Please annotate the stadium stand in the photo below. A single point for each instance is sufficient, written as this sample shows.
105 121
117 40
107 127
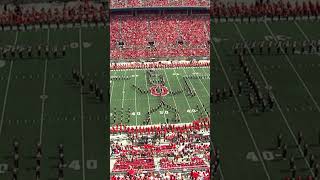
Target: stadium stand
159 36
158 3
149 34
183 147
266 8
193 175
30 14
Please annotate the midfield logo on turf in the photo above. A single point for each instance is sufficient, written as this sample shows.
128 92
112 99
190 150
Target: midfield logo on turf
159 90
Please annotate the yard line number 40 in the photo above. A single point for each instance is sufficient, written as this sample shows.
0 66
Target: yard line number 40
266 155
74 165
90 164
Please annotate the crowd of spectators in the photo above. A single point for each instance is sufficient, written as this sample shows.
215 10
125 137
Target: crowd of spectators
31 14
159 64
156 36
280 8
158 3
171 151
192 175
161 129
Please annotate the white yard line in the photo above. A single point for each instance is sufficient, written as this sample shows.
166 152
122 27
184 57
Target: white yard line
304 34
7 88
275 99
145 77
220 169
175 104
195 90
294 69
203 84
44 90
132 99
184 95
300 29
135 97
82 120
123 90
242 114
112 89
164 115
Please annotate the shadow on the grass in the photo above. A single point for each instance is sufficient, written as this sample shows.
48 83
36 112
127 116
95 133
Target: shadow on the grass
277 160
292 146
93 100
287 170
52 157
314 145
303 169
6 157
30 157
299 158
272 149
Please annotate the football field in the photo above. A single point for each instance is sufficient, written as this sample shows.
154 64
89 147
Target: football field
247 139
131 98
40 102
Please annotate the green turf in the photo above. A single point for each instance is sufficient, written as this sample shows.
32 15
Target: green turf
69 117
236 135
124 95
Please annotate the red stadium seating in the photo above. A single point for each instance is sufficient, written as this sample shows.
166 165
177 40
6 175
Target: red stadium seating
193 175
158 3
125 164
273 8
165 31
87 11
193 162
171 156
